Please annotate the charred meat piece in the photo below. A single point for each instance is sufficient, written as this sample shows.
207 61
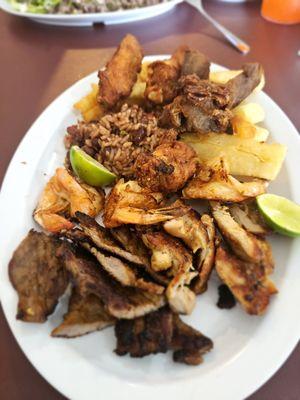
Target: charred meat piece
195 63
190 229
120 74
38 275
248 216
243 84
214 183
85 315
145 335
167 169
122 272
226 299
205 256
102 238
162 80
247 282
120 302
159 332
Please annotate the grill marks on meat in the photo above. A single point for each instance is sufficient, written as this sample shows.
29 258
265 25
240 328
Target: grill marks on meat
121 302
159 332
37 274
117 79
195 63
85 315
167 169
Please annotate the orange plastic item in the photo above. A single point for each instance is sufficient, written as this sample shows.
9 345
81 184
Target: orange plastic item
281 11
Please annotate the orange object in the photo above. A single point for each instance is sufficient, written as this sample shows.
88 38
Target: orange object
281 11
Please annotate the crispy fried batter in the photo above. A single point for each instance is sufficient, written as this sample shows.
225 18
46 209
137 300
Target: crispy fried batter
167 169
85 315
121 302
120 74
163 77
38 275
247 282
214 183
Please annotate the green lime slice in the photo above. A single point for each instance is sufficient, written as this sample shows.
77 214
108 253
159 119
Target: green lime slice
281 214
88 169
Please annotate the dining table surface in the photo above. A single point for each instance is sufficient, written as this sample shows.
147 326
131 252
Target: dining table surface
38 62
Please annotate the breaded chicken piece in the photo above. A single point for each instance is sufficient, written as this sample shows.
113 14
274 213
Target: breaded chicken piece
163 76
168 168
247 282
117 79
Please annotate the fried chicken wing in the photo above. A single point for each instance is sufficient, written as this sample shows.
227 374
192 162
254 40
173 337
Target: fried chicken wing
167 169
161 86
38 275
214 183
247 282
120 74
62 197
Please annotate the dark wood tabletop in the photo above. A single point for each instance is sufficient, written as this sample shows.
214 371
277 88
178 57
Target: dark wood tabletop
38 62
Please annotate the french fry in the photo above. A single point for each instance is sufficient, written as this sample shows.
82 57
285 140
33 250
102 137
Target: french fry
261 134
89 101
250 112
93 114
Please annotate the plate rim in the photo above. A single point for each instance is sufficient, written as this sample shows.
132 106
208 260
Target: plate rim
163 388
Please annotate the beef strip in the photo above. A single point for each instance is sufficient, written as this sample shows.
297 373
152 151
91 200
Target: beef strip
38 275
195 63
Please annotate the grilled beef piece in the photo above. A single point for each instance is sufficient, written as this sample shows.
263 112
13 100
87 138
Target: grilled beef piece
85 315
38 275
195 63
158 332
89 278
226 299
243 84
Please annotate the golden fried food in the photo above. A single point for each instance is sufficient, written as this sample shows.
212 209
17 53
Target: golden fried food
62 197
89 107
117 79
167 169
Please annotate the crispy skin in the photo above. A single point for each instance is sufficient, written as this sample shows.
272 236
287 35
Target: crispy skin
247 282
159 332
120 302
38 275
243 84
195 63
120 74
162 79
85 315
205 257
248 216
214 183
190 229
167 169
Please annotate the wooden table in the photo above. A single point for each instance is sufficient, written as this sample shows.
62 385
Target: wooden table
38 62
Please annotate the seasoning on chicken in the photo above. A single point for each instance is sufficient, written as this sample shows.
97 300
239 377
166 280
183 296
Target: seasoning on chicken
129 203
62 197
38 275
214 183
247 282
195 63
168 254
84 315
119 301
117 79
167 169
162 78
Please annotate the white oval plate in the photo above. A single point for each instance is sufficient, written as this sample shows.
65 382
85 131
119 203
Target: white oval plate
108 18
247 350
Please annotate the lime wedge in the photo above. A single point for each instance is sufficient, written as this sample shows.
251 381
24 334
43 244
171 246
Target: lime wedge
88 169
281 214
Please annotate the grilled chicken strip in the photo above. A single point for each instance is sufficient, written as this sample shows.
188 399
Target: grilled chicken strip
167 169
214 183
190 229
38 275
247 282
244 244
117 79
248 216
85 315
168 254
195 63
161 87
120 302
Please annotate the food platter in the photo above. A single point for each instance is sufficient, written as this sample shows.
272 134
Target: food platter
108 18
247 350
